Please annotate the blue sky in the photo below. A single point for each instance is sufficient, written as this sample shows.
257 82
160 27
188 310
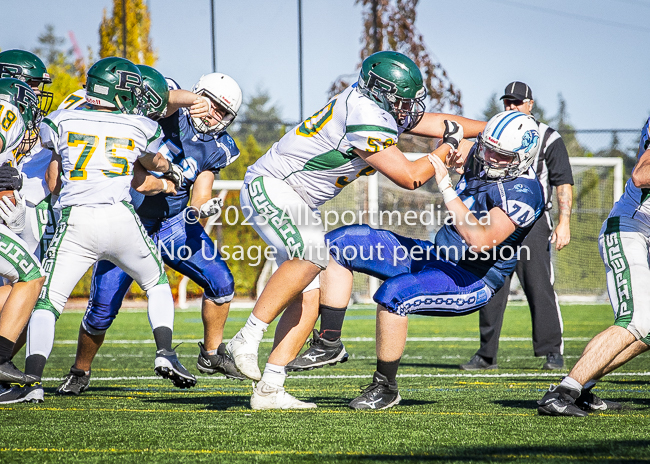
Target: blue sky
593 52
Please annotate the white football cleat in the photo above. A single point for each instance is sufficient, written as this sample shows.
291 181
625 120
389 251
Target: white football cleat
244 353
267 396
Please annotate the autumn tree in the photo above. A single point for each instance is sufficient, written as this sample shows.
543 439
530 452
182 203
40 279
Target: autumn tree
390 25
139 48
68 73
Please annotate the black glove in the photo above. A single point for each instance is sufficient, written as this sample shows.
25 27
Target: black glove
453 134
10 178
174 174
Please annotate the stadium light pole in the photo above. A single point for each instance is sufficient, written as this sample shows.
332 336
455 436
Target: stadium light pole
300 57
124 29
214 37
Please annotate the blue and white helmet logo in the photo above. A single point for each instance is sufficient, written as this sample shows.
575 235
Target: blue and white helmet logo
529 141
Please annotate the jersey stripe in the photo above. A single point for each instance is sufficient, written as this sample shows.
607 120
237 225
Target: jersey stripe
52 125
155 136
363 127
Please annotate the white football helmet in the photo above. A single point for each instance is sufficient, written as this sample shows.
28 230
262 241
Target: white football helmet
223 90
508 145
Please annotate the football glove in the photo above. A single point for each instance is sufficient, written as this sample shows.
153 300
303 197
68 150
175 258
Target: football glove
174 174
212 207
453 134
13 215
10 178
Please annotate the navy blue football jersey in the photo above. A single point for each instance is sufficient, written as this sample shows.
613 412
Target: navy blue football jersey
194 152
521 199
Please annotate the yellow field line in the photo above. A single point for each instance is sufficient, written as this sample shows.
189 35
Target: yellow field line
315 453
317 411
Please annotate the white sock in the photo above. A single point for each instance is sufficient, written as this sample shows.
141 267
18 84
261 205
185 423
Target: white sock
570 383
40 333
274 375
590 384
160 306
254 329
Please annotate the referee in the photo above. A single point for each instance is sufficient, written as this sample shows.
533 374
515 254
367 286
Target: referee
536 274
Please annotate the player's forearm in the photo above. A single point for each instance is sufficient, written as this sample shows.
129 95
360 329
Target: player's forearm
155 162
432 125
179 99
151 185
641 172
565 202
53 175
474 233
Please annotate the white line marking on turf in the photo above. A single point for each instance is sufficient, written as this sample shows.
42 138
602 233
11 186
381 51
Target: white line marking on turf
363 376
351 339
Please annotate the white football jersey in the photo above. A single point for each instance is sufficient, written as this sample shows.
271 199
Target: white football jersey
97 152
635 201
316 157
12 129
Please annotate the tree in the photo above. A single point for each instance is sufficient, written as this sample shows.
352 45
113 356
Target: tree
561 123
139 48
259 119
390 25
68 74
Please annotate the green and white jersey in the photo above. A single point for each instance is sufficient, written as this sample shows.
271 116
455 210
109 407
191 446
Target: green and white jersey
12 129
97 152
316 157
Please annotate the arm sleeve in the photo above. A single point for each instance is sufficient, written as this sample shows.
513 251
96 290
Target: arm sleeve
49 133
370 129
519 199
154 139
225 153
557 161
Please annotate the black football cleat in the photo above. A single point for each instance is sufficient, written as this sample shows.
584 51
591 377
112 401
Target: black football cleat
560 401
380 394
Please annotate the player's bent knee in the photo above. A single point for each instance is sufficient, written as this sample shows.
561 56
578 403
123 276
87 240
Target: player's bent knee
90 330
219 299
345 243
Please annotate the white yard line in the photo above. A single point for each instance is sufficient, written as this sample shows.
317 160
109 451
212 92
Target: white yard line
363 376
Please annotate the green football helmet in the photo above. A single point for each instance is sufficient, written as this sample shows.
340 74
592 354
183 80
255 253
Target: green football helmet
394 82
23 97
156 92
115 83
29 68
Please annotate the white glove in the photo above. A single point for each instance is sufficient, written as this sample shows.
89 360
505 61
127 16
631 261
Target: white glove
212 207
13 215
453 134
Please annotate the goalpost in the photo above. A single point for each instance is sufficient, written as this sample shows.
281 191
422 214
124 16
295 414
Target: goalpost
579 273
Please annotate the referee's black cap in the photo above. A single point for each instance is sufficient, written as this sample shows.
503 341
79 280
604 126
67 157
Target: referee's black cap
517 91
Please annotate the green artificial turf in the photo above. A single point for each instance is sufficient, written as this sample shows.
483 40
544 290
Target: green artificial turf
446 415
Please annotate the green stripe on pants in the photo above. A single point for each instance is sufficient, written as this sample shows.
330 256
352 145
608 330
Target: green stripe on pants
282 224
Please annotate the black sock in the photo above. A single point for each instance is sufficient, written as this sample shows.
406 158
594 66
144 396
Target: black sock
331 322
163 337
388 369
6 349
34 365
